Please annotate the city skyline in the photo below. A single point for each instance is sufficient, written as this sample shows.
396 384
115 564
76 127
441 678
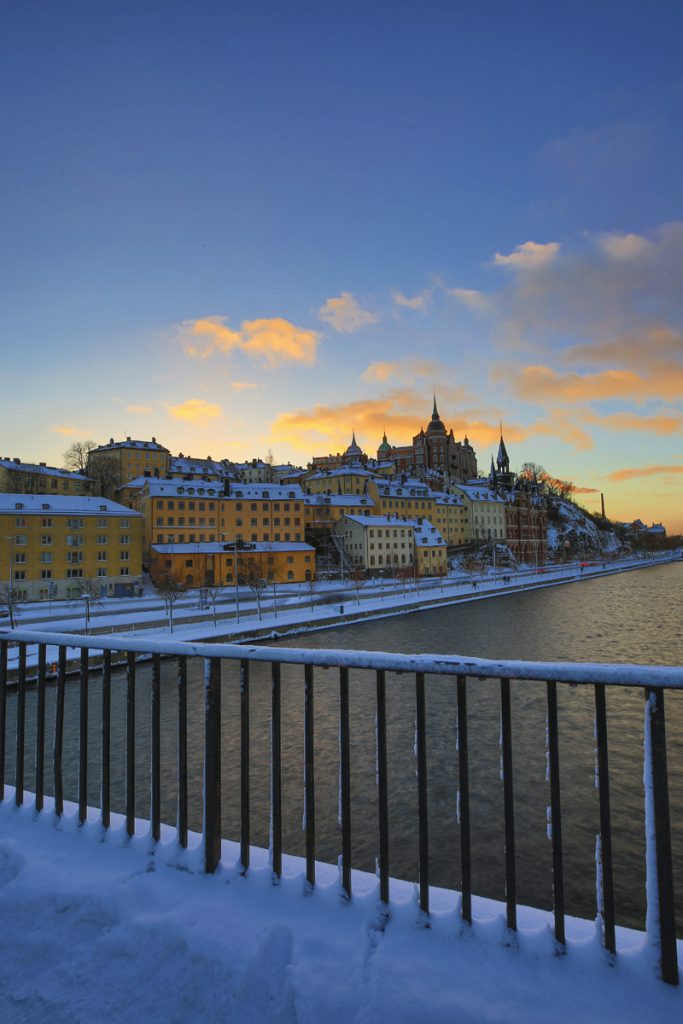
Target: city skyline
249 229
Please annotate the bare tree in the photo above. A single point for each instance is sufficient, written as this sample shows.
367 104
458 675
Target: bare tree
257 569
169 587
311 586
90 595
76 456
210 590
9 599
359 579
105 474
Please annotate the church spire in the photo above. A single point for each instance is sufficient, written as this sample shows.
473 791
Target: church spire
435 411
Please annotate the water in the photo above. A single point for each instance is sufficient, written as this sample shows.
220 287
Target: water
632 617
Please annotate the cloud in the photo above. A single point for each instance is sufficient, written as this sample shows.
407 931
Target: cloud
474 300
142 410
586 490
195 410
529 256
639 349
243 385
419 301
405 371
632 474
345 315
623 247
626 421
68 431
271 341
542 384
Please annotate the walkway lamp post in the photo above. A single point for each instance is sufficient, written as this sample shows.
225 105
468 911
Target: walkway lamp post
225 536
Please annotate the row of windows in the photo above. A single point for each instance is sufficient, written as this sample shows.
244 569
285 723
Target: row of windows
73 523
46 574
21 558
192 538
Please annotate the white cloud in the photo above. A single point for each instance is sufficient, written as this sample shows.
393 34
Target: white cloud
269 340
529 256
474 300
345 315
623 247
419 301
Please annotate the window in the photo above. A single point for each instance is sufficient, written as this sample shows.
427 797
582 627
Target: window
73 557
101 556
46 557
102 538
19 574
20 540
75 524
102 524
290 575
102 572
46 574
125 539
19 556
72 574
124 572
125 556
125 524
47 524
20 521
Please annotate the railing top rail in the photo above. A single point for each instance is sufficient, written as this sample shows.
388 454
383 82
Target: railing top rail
438 664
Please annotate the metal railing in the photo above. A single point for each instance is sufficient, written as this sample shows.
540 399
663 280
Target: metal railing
653 681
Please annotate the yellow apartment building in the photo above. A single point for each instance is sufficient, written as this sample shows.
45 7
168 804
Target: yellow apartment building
55 546
321 511
17 477
182 512
485 510
193 565
384 543
121 461
352 479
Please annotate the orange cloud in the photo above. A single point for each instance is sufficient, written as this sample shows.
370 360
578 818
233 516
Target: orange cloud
642 348
632 474
196 411
404 370
585 490
543 384
141 410
243 385
270 341
345 315
68 431
625 421
529 256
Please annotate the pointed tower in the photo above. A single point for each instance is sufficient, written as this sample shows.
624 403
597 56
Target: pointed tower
502 461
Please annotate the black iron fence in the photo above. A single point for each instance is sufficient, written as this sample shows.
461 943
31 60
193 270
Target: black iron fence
48 660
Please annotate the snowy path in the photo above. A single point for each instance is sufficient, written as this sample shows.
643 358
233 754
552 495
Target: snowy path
104 931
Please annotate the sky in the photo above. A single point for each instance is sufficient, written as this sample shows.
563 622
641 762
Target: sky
250 227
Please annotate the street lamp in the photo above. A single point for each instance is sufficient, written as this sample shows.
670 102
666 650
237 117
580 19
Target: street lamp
237 575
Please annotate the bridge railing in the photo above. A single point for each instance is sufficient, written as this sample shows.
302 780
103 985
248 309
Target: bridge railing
79 653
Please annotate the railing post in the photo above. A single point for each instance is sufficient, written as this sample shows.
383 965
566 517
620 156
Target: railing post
382 788
555 812
181 826
464 790
212 764
155 766
40 728
309 776
422 800
21 725
510 868
3 713
657 801
607 873
106 740
59 732
245 810
275 775
83 739
345 780
130 743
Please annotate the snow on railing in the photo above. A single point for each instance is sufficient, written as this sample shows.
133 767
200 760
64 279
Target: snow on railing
93 656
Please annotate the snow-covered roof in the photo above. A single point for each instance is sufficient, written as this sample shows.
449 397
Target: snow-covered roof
152 445
62 504
340 500
202 467
476 491
353 469
409 488
261 492
441 498
382 521
248 547
159 486
42 469
427 535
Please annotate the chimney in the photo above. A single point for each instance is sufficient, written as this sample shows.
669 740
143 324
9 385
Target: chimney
602 502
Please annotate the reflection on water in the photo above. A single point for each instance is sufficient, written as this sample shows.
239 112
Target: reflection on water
633 617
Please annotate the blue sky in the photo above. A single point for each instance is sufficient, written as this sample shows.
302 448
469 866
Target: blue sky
242 227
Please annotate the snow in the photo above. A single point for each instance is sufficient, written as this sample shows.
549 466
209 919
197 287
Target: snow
99 927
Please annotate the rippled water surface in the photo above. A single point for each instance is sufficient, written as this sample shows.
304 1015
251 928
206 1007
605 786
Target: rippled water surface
631 617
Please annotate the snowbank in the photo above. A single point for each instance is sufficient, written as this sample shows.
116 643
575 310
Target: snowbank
98 928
